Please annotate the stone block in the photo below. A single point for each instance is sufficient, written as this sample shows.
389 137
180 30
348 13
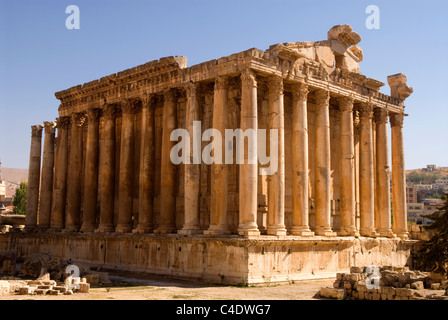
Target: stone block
376 296
84 287
368 295
337 284
35 283
45 287
384 296
356 269
333 293
41 291
61 289
444 284
54 292
418 285
4 288
435 286
390 297
404 292
361 286
339 276
68 292
92 278
44 277
347 285
355 294
353 277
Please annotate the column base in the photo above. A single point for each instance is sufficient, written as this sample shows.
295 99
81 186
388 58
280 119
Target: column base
386 233
165 230
404 234
348 232
189 231
325 231
55 229
123 229
368 233
218 230
70 229
276 230
249 229
87 229
143 229
43 228
105 229
303 231
30 229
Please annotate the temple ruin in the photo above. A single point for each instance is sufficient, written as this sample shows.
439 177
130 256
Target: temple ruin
105 191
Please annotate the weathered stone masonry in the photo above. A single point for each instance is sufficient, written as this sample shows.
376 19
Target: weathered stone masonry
113 173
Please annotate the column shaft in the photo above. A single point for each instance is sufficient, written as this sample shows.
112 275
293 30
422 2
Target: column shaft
347 169
248 171
47 176
383 205
91 171
147 163
72 219
276 188
323 164
300 176
218 201
107 177
398 177
366 174
124 223
33 178
60 175
168 169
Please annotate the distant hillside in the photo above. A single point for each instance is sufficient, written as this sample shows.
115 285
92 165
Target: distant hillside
426 177
14 175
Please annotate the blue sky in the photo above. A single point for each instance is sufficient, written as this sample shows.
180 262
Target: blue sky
39 55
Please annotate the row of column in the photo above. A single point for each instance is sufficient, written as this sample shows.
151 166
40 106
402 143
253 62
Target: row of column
60 203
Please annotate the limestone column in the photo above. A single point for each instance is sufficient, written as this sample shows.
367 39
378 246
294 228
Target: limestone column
382 174
91 171
300 177
347 155
107 177
248 171
125 184
276 182
219 172
323 164
46 183
366 174
398 177
72 218
60 175
32 199
192 176
147 167
168 169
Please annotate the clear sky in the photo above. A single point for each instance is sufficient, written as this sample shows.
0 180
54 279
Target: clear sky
39 55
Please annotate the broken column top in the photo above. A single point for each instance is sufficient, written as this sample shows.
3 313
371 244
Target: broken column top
344 34
398 86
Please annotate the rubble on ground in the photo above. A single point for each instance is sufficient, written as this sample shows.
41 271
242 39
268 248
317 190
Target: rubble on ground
392 283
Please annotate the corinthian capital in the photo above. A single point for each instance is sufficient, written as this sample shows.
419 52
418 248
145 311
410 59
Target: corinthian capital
221 83
300 91
93 114
78 119
148 100
346 104
63 122
170 95
190 89
396 119
275 85
50 127
380 115
36 131
249 78
365 110
109 111
322 97
128 106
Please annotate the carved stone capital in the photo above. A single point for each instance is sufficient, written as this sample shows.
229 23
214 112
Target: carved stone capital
275 85
346 104
93 114
398 86
322 97
148 100
128 106
170 95
221 83
109 111
365 110
380 115
249 78
78 119
396 119
36 131
50 127
190 89
63 122
300 91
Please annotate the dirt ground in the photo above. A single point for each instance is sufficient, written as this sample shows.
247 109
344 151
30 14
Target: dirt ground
163 289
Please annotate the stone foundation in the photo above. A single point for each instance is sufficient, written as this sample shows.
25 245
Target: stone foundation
226 260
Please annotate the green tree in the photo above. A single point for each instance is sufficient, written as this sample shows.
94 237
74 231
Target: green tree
19 202
433 254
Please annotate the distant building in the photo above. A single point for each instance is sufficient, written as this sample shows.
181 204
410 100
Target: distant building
415 212
430 168
411 194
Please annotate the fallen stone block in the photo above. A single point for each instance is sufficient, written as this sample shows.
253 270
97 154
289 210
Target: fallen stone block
61 289
4 288
435 286
84 288
68 292
418 285
333 293
54 292
356 269
44 287
40 291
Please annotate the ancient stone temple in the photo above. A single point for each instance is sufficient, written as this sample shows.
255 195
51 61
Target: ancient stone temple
104 189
